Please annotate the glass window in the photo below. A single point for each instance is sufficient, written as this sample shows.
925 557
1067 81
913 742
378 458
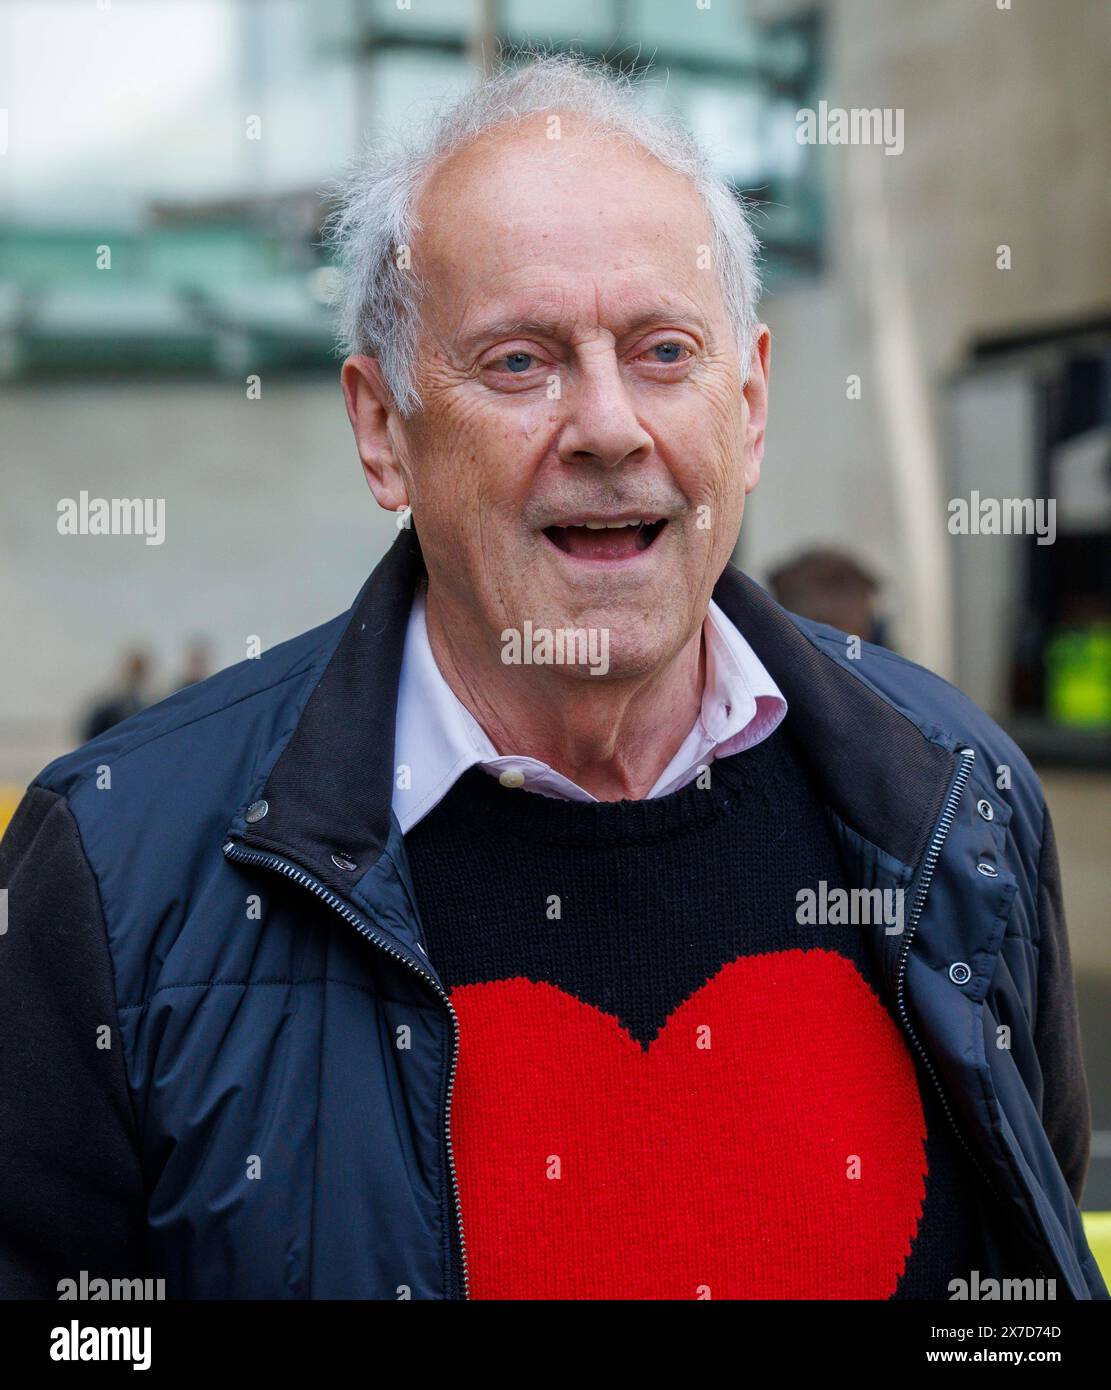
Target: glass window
720 31
403 86
421 17
588 24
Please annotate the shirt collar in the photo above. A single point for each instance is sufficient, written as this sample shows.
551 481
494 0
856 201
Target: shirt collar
437 738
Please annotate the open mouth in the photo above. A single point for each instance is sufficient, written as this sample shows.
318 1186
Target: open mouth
605 540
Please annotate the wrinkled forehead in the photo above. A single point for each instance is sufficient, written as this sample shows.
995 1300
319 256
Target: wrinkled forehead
519 220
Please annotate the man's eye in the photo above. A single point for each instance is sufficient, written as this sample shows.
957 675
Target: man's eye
675 348
517 361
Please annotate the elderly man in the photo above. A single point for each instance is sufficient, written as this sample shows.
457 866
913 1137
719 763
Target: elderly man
565 920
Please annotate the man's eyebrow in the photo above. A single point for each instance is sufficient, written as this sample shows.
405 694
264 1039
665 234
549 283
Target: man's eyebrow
511 326
521 325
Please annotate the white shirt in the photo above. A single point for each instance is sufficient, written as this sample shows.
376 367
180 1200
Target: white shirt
437 738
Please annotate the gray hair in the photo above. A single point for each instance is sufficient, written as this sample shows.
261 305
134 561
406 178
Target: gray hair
378 299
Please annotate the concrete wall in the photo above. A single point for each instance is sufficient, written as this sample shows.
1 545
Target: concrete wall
270 529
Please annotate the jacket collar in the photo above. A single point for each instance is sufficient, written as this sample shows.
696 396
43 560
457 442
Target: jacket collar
330 790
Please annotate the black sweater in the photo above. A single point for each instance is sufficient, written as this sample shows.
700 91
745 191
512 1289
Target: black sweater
668 1086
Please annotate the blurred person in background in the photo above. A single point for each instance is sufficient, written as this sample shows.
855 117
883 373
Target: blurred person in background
198 664
128 697
831 586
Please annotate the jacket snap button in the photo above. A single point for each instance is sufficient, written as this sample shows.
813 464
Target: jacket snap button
985 810
343 861
255 811
960 973
987 870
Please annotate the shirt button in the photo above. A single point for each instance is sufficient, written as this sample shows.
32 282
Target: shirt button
984 808
960 973
344 861
988 870
512 777
255 811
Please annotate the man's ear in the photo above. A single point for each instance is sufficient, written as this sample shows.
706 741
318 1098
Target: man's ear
369 407
755 392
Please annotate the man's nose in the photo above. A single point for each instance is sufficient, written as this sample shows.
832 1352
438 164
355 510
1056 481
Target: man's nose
601 425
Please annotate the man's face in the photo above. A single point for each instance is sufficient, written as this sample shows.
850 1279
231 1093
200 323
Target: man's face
576 366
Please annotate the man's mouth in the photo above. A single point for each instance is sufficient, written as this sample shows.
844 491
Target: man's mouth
606 540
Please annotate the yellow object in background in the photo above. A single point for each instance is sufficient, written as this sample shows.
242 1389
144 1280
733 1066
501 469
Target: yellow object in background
1097 1227
1078 677
10 797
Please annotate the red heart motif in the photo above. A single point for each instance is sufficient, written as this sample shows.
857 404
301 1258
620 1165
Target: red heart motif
688 1171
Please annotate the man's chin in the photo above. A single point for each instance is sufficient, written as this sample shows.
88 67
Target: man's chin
596 641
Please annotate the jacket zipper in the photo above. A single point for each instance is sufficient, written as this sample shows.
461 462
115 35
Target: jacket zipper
929 865
272 861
